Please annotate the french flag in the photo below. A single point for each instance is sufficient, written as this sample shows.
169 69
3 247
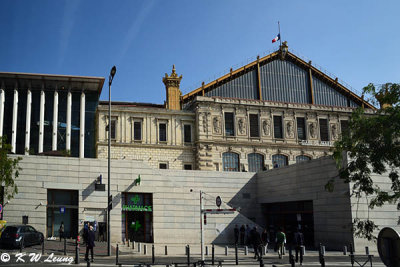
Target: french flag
277 38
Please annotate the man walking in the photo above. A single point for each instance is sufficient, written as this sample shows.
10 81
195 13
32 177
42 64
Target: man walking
256 241
299 242
280 241
90 244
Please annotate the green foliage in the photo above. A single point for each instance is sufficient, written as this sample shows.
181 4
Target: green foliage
373 144
9 169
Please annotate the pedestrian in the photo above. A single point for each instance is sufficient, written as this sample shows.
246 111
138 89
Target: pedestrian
248 241
265 238
236 234
242 234
90 244
276 166
280 241
299 242
61 231
256 241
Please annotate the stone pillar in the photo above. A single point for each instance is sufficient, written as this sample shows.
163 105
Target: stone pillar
55 121
28 121
82 127
14 121
173 93
68 130
41 121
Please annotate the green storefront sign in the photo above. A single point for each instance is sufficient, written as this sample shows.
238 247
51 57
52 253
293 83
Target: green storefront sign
136 208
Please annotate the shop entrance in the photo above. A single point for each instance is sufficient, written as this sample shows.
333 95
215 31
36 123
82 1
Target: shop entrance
137 217
62 207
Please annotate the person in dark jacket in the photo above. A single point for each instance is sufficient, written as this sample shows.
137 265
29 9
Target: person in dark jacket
90 244
85 232
298 243
256 241
265 238
236 234
242 234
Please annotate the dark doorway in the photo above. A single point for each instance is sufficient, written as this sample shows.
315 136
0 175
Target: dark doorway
290 216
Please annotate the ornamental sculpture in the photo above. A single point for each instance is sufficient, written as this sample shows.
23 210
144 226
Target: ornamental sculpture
217 125
289 129
242 130
334 131
266 127
313 129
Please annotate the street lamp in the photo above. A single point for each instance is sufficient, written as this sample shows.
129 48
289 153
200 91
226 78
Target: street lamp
109 197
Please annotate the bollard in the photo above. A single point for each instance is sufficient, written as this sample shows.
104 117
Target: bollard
226 251
351 248
133 244
166 250
236 254
128 243
291 257
212 256
43 247
206 250
303 250
65 246
261 262
246 250
345 250
367 251
21 245
144 249
117 256
153 256
77 252
321 255
139 247
188 255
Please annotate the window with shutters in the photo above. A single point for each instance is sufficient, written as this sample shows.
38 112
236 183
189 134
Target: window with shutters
323 129
301 129
230 162
278 130
229 124
256 162
254 127
344 126
162 132
187 133
137 130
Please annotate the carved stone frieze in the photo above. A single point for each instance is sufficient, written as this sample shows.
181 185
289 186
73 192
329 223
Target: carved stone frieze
266 127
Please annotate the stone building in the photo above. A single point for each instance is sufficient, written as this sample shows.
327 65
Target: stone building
275 111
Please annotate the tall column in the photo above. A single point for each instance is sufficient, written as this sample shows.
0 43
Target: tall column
55 121
28 121
68 130
82 128
41 122
14 121
2 99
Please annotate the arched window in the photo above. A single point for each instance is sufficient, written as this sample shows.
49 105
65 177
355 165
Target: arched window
302 158
279 160
230 162
256 162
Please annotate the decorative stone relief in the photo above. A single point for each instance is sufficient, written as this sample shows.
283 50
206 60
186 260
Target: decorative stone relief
205 122
217 125
334 131
242 127
313 129
266 126
289 129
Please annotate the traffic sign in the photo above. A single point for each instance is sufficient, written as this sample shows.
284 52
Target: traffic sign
62 209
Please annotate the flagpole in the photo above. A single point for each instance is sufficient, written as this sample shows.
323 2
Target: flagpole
280 37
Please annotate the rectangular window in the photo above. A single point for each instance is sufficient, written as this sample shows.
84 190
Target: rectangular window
187 167
163 166
162 132
229 124
278 130
187 133
301 129
344 126
137 130
323 129
113 128
254 127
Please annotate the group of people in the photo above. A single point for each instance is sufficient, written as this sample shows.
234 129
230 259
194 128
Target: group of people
248 236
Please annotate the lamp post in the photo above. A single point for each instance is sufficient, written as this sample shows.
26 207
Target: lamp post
109 202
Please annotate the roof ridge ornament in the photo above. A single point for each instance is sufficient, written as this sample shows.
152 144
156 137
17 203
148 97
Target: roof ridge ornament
283 49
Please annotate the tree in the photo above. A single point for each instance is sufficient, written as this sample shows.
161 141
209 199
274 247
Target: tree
9 169
373 146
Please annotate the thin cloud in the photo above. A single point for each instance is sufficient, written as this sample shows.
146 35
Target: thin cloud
135 28
70 10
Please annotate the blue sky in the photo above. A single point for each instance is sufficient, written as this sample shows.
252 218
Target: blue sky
357 41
